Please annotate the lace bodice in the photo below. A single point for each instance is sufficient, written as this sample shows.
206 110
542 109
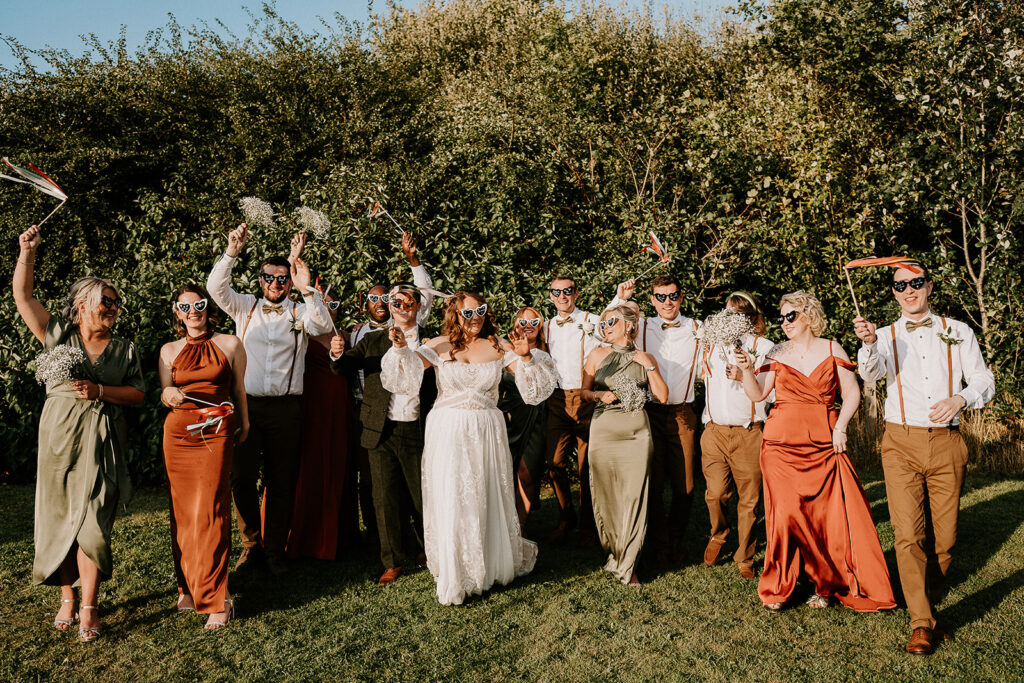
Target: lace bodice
468 386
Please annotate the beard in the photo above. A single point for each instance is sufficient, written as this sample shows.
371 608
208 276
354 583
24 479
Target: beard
275 300
377 318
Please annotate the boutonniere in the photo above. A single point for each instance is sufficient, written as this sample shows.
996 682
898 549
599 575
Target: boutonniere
297 326
950 337
587 327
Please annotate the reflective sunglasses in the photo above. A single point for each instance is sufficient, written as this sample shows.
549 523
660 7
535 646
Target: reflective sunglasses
568 291
185 307
901 285
788 318
402 305
281 279
532 322
610 322
378 298
332 305
674 296
112 304
468 313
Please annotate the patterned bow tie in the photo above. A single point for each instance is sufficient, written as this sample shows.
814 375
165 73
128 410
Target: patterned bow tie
276 308
911 325
677 323
377 326
562 321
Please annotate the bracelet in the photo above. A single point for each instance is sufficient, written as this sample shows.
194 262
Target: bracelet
27 263
100 396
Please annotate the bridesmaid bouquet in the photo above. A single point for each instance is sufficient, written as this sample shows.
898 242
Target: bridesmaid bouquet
55 366
725 329
632 397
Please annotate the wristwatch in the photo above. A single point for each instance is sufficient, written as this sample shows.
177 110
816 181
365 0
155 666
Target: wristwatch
650 369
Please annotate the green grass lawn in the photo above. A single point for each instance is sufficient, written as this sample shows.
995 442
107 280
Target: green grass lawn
566 621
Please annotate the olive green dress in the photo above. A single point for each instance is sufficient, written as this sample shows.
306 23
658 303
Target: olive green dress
526 426
620 454
82 471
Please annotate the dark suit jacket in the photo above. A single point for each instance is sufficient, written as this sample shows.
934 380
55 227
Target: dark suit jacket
366 356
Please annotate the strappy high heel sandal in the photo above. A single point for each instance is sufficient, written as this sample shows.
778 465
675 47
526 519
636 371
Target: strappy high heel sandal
185 608
87 634
65 624
212 625
817 601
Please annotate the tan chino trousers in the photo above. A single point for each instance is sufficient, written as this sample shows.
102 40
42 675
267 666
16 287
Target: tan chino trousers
731 455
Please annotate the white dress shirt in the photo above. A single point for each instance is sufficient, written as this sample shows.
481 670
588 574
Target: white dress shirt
273 350
569 345
726 403
675 349
406 407
924 376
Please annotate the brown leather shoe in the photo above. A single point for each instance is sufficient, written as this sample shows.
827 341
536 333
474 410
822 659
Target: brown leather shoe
711 552
389 576
250 559
922 641
421 560
747 572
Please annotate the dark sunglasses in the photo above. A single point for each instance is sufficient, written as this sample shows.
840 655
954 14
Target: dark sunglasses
281 279
185 307
788 318
568 291
378 298
532 322
332 305
111 304
468 313
610 322
674 296
901 285
399 305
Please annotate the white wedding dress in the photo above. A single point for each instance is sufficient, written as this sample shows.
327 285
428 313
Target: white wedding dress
470 527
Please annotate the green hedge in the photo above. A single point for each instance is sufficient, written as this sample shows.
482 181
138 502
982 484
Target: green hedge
514 138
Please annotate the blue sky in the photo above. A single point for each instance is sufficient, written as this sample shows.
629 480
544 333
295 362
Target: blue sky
59 23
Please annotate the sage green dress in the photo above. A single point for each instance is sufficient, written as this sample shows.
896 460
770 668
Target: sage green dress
82 471
620 453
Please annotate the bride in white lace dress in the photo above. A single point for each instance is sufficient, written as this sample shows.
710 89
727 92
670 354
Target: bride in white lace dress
471 530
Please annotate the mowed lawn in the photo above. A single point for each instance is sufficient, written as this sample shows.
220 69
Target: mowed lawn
566 621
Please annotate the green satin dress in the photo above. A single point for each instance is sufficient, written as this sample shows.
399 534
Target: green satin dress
620 453
82 471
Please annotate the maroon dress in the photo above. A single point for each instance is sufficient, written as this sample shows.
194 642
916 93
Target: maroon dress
325 519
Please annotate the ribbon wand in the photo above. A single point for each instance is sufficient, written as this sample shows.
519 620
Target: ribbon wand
378 210
659 263
39 180
856 306
913 265
656 248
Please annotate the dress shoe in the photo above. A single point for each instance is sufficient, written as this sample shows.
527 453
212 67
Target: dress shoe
922 641
421 560
747 572
389 576
712 550
277 564
251 558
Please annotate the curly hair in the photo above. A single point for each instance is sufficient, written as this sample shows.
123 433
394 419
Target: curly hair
630 313
452 327
542 342
88 290
212 312
745 303
809 305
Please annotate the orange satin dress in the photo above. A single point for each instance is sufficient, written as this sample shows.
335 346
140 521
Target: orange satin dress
198 470
817 516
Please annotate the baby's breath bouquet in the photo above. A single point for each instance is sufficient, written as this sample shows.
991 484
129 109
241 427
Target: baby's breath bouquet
257 212
631 395
57 365
725 329
313 221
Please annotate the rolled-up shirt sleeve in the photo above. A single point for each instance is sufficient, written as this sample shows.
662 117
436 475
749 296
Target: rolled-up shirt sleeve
219 286
870 363
316 319
981 383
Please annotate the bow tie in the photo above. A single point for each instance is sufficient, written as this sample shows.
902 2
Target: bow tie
911 326
377 326
276 308
677 323
562 321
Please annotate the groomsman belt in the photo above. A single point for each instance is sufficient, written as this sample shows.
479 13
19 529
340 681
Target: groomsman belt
899 382
927 430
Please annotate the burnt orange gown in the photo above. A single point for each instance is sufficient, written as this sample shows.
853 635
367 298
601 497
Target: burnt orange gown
817 516
198 470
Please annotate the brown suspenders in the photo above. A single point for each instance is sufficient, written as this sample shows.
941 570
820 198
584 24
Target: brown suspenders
896 367
295 345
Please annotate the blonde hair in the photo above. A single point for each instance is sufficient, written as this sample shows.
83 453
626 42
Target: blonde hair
629 311
809 305
88 290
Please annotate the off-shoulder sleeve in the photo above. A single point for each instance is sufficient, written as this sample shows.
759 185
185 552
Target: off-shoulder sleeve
769 366
846 364
401 371
430 355
536 379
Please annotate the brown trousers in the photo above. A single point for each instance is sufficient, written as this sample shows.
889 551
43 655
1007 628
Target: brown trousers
731 455
924 472
274 434
674 432
569 427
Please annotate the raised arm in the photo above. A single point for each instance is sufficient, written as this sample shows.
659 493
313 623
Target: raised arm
623 293
756 387
219 282
316 319
420 278
31 311
869 360
849 388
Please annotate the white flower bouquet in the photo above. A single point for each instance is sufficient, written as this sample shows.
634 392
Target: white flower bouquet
632 397
725 329
58 365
